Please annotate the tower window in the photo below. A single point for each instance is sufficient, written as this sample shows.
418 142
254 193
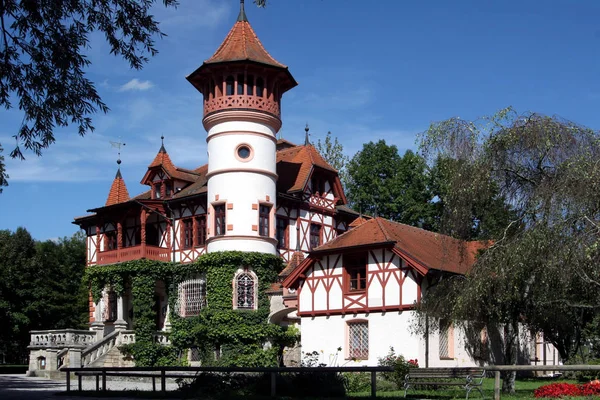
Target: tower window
250 85
260 86
263 220
240 84
229 86
200 231
157 191
244 153
220 219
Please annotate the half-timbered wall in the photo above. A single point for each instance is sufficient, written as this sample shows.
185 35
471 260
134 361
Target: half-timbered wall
390 285
190 254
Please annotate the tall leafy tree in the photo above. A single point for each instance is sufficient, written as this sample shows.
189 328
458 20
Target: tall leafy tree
40 287
42 65
333 152
540 273
381 182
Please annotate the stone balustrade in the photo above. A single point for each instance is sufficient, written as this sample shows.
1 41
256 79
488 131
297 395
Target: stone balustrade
162 338
61 338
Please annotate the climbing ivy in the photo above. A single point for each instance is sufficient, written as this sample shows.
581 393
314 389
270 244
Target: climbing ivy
224 336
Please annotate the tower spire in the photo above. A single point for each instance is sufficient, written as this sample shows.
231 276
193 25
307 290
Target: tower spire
242 16
306 129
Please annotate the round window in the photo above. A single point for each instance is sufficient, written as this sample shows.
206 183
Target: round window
243 152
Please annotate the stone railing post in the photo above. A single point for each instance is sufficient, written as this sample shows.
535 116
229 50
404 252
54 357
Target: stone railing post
120 324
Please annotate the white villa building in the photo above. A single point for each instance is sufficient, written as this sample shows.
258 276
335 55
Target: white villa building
351 282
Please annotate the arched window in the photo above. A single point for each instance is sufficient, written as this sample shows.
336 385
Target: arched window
229 86
191 297
240 84
250 85
260 86
245 284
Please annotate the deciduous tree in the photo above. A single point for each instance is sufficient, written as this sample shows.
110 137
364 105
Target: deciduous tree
541 272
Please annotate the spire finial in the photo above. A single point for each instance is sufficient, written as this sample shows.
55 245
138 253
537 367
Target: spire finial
242 16
118 146
306 129
162 144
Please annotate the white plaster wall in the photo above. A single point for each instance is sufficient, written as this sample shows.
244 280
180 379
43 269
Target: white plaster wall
241 188
327 334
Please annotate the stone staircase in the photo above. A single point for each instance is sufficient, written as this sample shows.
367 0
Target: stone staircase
106 353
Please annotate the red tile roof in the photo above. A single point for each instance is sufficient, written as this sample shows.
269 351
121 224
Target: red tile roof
118 191
242 44
426 250
304 158
163 160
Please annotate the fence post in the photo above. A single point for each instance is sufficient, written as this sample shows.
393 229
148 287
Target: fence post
97 383
373 384
104 380
68 381
273 384
497 385
79 382
163 381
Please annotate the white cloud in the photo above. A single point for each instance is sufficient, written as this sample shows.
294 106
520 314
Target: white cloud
136 84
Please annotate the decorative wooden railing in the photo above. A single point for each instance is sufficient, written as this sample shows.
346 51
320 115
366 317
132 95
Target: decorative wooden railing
242 101
134 253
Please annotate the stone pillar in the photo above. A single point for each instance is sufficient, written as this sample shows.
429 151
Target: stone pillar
120 324
74 358
51 361
98 324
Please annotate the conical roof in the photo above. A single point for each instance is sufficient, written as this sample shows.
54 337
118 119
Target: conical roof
242 44
118 191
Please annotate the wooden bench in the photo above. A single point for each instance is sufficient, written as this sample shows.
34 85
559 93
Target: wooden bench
467 378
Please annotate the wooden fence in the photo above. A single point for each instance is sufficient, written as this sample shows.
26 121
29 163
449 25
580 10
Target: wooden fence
163 373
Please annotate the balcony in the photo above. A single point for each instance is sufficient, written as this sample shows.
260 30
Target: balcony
134 253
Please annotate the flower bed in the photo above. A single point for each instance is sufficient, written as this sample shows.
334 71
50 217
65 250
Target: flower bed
568 389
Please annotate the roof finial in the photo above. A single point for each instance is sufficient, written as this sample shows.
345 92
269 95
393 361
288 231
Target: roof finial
306 141
242 16
118 145
162 144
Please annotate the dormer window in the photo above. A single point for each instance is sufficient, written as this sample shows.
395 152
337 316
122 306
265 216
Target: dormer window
168 189
157 190
318 185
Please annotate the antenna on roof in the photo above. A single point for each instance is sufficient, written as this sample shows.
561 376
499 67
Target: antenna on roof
306 129
118 146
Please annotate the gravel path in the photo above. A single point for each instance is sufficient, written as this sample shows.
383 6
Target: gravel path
19 387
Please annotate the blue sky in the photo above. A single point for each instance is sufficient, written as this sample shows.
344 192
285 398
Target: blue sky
367 70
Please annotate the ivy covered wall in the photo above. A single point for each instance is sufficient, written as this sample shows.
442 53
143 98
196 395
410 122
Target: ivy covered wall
224 336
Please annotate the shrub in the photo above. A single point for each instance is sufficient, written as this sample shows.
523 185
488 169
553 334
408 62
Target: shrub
401 367
357 381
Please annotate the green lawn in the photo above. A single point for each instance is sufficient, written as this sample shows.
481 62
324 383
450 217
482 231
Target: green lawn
524 390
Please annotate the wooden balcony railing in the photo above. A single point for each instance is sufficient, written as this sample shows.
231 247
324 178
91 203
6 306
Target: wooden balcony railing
134 253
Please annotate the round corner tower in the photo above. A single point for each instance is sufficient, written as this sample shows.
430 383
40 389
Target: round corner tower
242 87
